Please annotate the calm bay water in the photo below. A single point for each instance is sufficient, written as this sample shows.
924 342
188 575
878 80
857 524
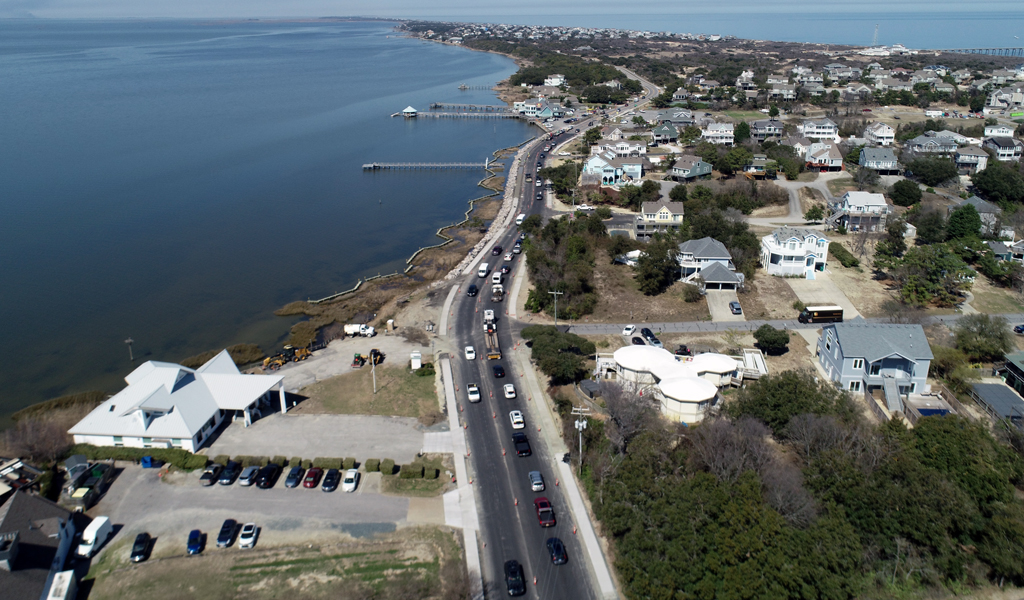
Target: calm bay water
177 181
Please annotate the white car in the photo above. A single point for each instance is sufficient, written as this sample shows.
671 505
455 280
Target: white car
585 207
473 391
563 154
510 391
351 481
470 353
508 256
540 183
247 539
628 330
517 419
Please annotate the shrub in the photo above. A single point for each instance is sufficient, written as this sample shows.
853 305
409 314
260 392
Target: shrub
387 466
841 230
328 463
294 461
905 193
306 464
254 461
182 459
280 460
221 459
843 255
430 473
372 465
411 472
691 293
349 463
798 305
772 340
427 370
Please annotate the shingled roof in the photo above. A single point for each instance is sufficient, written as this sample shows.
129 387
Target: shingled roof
875 341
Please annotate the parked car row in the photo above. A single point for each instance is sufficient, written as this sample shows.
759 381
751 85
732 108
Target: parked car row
266 477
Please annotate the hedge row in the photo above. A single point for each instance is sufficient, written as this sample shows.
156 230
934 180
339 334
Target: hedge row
252 461
411 472
387 466
372 465
843 255
182 459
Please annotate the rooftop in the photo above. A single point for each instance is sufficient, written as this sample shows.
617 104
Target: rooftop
875 341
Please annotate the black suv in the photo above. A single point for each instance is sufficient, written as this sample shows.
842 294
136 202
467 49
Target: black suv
647 333
472 290
227 533
557 551
230 473
521 443
514 579
140 549
331 480
499 371
268 476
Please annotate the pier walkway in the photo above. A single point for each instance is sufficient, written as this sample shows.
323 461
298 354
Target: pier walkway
375 166
469 107
459 115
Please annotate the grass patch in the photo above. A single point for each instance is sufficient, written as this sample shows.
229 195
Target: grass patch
84 401
420 488
838 187
996 302
745 114
399 393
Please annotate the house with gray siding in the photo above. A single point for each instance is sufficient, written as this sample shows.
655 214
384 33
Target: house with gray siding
891 359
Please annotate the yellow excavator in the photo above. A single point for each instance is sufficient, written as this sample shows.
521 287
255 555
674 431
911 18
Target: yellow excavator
289 354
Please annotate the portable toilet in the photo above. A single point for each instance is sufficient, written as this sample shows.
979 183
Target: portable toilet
416 359
391 325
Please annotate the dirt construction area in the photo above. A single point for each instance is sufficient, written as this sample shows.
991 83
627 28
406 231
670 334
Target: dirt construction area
822 291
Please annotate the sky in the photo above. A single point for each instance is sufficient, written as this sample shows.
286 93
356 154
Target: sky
545 11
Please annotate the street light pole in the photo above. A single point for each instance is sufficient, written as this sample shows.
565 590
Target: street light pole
130 341
581 413
556 295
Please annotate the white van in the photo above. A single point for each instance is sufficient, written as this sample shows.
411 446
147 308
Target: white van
95 535
496 277
520 218
484 269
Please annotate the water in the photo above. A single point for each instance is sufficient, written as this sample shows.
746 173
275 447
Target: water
176 182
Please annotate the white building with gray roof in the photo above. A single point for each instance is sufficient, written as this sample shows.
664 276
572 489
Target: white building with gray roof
789 251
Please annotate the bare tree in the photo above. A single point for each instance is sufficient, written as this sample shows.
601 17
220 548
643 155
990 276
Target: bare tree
783 487
630 412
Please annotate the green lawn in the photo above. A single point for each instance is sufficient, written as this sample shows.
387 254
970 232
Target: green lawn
400 393
745 114
996 302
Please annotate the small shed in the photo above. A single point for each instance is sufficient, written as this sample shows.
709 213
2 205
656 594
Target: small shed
591 389
409 112
416 358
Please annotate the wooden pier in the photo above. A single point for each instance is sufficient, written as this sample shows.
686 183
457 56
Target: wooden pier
376 166
475 87
469 107
460 115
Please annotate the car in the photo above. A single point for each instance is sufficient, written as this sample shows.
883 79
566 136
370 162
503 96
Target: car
545 512
517 419
331 480
248 476
585 207
638 341
557 551
312 477
541 156
472 290
508 256
514 580
646 333
628 330
247 539
294 477
351 480
510 391
495 251
473 392
682 350
505 269
268 476
227 533
521 443
734 306
470 353
499 371
536 481
563 153
210 475
230 473
522 236
140 549
539 164
540 196
539 183
195 542
1019 329
517 249
655 342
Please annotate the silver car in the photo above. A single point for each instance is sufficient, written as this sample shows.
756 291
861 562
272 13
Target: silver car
536 481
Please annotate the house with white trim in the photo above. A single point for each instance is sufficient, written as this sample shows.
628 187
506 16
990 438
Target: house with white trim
697 255
555 80
1006 148
879 159
718 133
857 211
167 405
690 167
658 217
998 131
619 148
970 159
880 134
789 251
821 129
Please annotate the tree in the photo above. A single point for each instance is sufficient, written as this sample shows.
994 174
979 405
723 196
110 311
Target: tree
559 355
933 171
678 193
814 213
640 121
630 411
773 111
592 136
772 340
931 274
963 223
865 177
893 245
775 399
1000 183
983 337
736 158
931 227
742 132
905 193
657 266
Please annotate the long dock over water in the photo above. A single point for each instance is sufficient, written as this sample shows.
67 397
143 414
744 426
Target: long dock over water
375 166
469 107
458 115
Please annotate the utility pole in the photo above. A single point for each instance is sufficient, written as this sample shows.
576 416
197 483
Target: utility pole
130 341
556 295
373 371
581 413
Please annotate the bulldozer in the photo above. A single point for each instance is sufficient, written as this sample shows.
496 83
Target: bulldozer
376 356
287 355
273 363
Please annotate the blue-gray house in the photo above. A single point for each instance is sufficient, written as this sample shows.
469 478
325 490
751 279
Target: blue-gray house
867 357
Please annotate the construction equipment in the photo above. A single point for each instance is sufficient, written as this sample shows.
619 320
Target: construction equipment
273 363
358 361
491 339
285 356
376 356
497 292
355 329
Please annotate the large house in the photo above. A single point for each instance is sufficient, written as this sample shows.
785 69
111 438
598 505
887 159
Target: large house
763 129
696 255
931 144
859 211
690 167
620 148
794 252
988 212
998 131
821 130
970 159
555 80
880 134
783 91
608 169
868 357
665 133
658 217
1006 148
798 144
718 133
36 536
824 157
167 405
879 159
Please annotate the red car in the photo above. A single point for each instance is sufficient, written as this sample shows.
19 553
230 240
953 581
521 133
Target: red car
312 477
545 513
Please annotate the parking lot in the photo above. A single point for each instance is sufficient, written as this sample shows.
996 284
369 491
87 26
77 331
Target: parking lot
330 436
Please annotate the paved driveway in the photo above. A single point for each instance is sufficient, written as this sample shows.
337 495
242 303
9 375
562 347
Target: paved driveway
331 436
821 290
718 304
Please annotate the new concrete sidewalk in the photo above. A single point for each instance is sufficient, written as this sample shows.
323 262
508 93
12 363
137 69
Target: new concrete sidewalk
540 411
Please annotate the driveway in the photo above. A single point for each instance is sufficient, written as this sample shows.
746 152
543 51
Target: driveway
821 290
138 500
329 436
718 304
